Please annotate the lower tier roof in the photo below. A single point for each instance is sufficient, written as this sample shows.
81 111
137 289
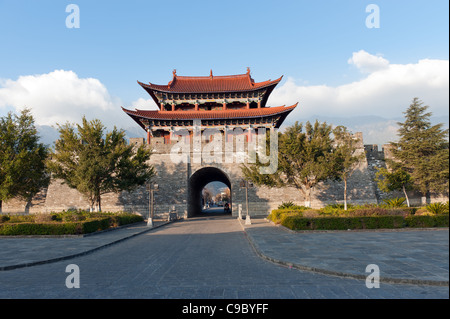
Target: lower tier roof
207 115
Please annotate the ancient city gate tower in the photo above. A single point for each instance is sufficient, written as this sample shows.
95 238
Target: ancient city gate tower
207 114
202 114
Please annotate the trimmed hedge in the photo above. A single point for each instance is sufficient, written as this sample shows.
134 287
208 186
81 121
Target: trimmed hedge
297 222
124 219
41 229
83 226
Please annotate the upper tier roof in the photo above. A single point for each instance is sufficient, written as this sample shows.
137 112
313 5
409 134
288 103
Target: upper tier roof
210 84
220 114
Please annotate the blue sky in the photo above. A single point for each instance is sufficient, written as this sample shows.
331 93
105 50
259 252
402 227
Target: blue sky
309 42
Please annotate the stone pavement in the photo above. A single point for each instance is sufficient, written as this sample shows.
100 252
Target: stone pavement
19 252
411 257
403 256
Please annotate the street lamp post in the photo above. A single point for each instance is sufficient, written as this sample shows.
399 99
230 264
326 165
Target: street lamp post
151 188
247 184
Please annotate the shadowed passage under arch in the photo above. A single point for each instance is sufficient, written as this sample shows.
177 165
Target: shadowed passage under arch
198 181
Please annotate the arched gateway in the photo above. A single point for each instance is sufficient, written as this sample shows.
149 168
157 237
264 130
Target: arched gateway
198 181
204 128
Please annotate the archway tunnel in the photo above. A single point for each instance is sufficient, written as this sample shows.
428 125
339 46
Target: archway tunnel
197 182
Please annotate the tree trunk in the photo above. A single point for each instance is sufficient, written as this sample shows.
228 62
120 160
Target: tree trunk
1 206
27 206
99 202
308 197
406 196
345 194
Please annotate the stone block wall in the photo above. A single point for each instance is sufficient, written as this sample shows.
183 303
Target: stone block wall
173 193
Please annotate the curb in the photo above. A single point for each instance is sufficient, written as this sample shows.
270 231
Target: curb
387 280
83 253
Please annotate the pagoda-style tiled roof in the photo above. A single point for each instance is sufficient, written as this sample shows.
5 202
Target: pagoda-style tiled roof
221 114
210 84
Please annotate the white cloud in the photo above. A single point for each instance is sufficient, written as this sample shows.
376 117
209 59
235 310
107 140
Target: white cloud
58 97
144 104
368 63
387 91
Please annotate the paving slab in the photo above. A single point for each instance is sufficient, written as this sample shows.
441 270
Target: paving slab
402 256
26 251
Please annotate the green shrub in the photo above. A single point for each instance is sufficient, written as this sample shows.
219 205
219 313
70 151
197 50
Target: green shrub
395 202
95 225
291 205
425 221
437 208
125 218
4 218
373 211
297 222
333 210
286 205
339 206
40 229
66 222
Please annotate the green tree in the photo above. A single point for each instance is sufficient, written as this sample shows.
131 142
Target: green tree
398 180
22 158
346 157
304 159
422 151
96 163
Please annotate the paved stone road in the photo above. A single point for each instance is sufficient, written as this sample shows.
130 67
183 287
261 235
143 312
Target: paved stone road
196 258
408 256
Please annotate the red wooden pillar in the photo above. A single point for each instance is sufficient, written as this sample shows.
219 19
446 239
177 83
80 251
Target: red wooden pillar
224 105
173 107
166 137
196 106
148 136
248 104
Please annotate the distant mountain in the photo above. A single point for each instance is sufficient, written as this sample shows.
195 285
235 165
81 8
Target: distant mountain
49 134
375 129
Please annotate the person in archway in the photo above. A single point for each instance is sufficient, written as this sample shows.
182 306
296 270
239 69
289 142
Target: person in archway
226 208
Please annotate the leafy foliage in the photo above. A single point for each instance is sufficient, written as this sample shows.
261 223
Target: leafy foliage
369 219
437 208
345 157
96 163
22 158
304 159
291 205
392 181
65 222
395 202
422 150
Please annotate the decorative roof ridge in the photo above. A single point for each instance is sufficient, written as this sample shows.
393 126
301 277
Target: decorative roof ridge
272 108
174 78
205 77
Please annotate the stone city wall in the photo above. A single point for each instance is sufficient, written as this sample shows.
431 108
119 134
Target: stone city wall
173 183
